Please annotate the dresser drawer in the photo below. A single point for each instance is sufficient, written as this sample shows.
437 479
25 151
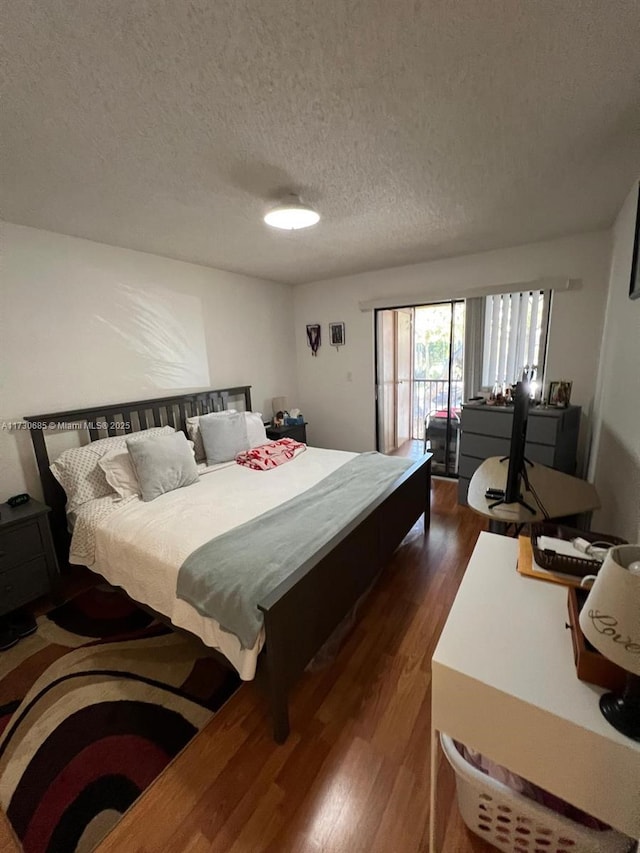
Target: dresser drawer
298 432
488 421
543 429
19 544
541 453
23 583
468 466
484 446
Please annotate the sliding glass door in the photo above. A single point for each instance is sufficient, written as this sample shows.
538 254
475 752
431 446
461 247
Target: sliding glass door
438 381
394 369
419 381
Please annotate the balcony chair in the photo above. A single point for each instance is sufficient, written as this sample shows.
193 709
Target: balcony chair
435 434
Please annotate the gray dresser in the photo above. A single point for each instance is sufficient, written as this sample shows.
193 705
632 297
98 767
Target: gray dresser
552 438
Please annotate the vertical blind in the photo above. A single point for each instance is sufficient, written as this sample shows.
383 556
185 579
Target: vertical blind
513 336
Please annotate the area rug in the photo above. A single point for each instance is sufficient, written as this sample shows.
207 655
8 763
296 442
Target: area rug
92 708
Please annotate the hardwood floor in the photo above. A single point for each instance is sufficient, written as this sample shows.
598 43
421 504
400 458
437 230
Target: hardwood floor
354 773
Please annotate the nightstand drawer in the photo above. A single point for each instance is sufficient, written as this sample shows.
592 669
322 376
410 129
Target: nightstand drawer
23 583
298 432
19 544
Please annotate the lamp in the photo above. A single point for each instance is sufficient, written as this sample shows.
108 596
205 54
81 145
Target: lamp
291 214
610 620
279 404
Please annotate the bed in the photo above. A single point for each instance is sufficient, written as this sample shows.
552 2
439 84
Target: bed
303 610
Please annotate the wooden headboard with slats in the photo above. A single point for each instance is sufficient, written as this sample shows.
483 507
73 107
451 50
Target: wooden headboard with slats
119 419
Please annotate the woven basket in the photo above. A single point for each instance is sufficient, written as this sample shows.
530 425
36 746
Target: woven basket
514 823
559 562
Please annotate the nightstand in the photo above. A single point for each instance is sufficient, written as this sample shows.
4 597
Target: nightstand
28 565
298 432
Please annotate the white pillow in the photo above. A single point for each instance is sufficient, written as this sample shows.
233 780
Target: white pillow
163 463
193 431
224 438
120 473
78 470
256 432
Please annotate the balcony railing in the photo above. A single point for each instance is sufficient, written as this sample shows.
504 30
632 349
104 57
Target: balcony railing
431 395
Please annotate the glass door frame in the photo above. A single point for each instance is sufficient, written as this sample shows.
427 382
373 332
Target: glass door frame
376 342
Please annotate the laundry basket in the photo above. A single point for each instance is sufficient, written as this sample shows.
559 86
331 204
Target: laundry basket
514 823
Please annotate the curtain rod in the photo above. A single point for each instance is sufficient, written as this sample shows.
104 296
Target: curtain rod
424 298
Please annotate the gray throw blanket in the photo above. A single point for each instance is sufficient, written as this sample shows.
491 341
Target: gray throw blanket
226 577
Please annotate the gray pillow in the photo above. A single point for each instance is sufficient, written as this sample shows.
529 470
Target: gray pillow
162 464
224 438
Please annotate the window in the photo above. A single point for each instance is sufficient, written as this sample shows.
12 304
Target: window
515 333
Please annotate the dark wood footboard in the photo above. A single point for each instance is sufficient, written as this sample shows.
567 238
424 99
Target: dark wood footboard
303 611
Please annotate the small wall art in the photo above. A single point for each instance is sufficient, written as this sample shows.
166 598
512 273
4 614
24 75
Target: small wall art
336 334
314 338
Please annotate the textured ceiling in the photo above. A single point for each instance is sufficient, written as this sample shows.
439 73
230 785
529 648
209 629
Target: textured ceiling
417 129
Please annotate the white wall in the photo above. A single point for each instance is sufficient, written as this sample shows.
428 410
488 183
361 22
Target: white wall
84 323
340 410
615 462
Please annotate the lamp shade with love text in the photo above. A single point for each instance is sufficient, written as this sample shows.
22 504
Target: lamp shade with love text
610 620
610 617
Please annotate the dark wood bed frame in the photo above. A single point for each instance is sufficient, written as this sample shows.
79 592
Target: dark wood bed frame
303 610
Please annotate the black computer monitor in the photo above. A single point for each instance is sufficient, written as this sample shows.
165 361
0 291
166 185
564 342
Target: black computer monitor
518 439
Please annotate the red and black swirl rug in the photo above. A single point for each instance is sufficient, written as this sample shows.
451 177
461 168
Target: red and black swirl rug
92 708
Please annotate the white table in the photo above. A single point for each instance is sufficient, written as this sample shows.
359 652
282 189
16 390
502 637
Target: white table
504 683
561 494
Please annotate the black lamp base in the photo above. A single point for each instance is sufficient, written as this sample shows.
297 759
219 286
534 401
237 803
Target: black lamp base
622 710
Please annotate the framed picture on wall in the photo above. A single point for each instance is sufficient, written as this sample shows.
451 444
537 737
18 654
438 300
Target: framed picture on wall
314 338
634 284
336 334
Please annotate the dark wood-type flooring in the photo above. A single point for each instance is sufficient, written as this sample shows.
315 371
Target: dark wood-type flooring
354 774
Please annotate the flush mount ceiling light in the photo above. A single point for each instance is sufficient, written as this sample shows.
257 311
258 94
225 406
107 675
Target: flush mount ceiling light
291 214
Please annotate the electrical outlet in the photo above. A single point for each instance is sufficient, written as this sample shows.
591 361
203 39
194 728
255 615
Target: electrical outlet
349 376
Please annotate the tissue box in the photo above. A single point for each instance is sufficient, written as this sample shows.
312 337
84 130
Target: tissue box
299 421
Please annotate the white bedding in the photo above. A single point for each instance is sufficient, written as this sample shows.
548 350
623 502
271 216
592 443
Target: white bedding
141 546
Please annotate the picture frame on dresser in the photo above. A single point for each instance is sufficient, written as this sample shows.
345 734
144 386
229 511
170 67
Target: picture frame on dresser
560 394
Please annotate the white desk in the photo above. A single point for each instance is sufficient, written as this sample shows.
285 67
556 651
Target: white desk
504 683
